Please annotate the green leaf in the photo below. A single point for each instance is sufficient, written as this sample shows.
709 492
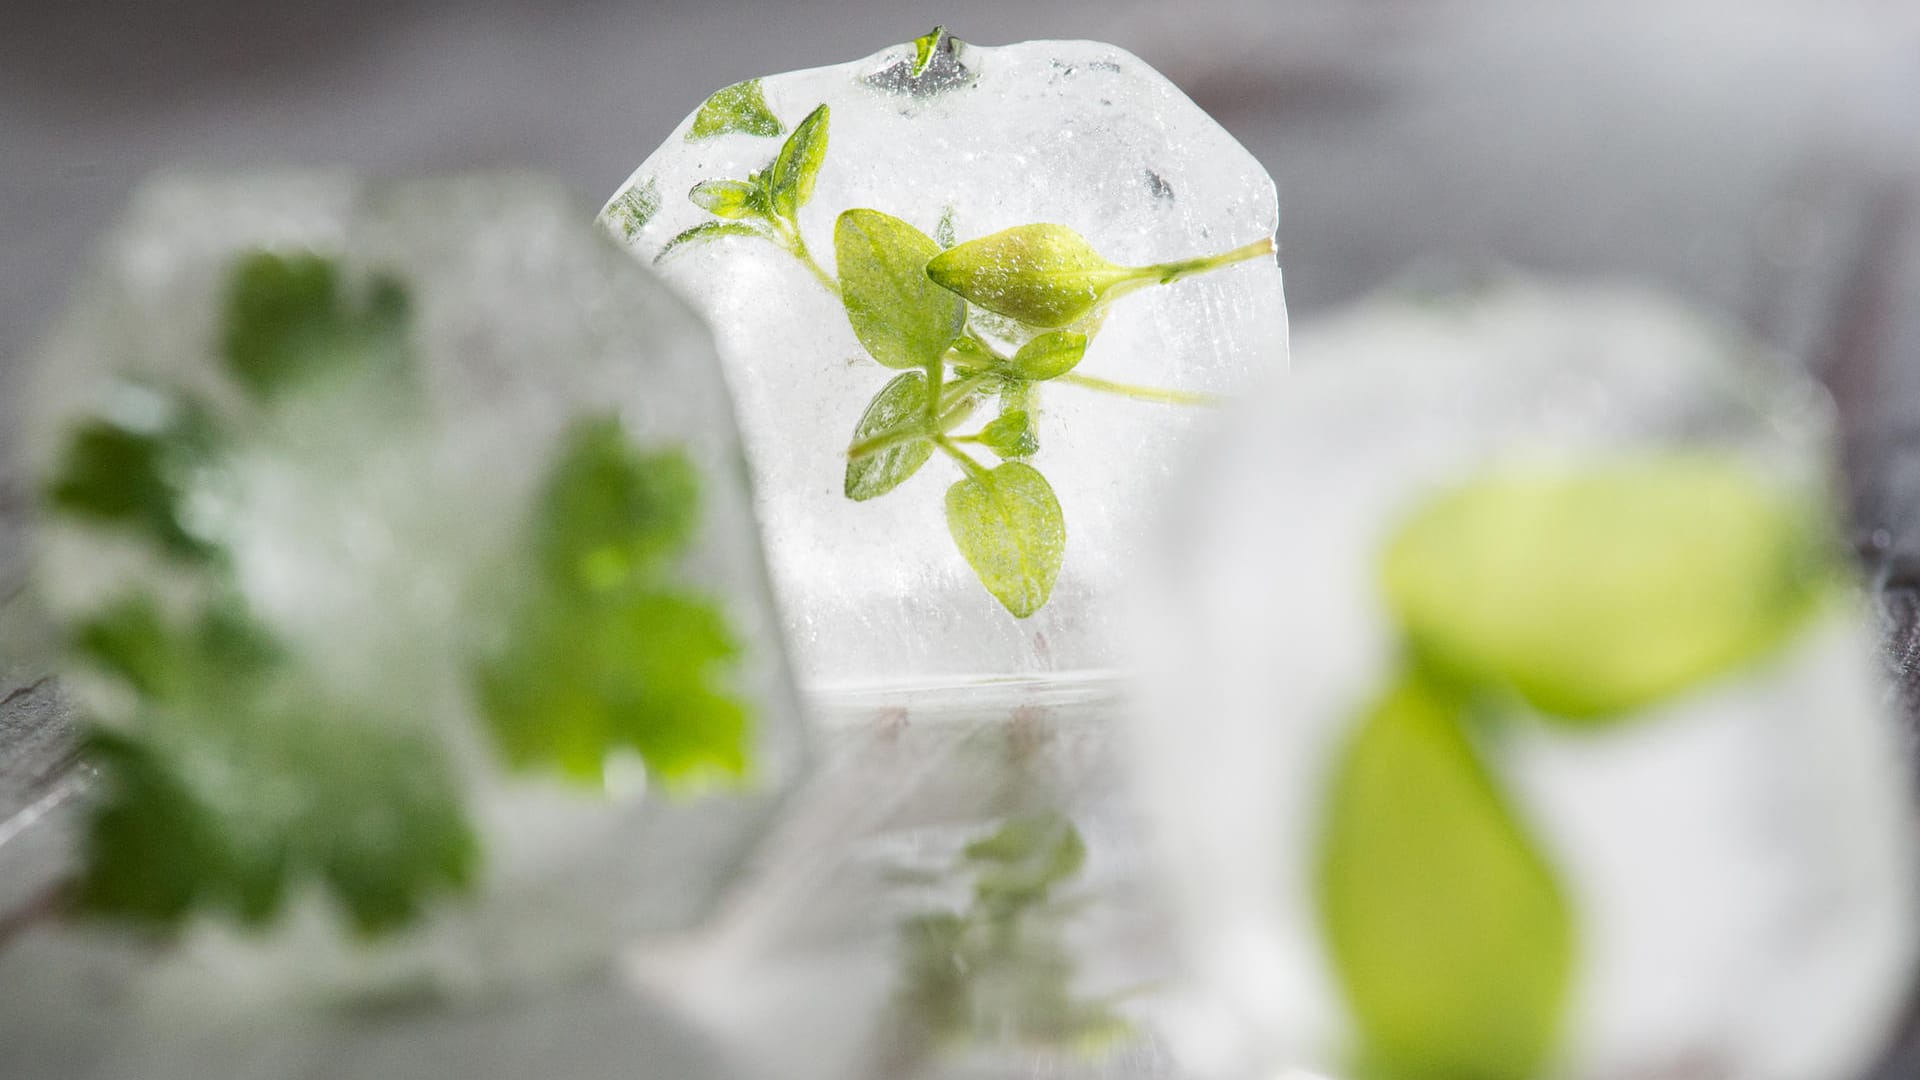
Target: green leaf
797 168
240 780
1041 275
583 675
603 649
710 230
289 320
900 404
1050 355
740 107
1008 525
611 515
727 198
1450 937
943 233
923 49
1011 435
137 467
1592 591
634 207
902 319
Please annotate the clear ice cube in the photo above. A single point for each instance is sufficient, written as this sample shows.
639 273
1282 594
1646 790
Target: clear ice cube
960 142
386 429
1733 854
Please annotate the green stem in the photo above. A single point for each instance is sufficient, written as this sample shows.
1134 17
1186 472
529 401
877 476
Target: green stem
973 469
1139 393
954 409
1168 272
891 437
936 374
797 245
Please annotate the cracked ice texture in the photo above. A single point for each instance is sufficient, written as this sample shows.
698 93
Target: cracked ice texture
356 541
1739 858
1075 133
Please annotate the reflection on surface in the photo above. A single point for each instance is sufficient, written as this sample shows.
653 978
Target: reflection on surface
999 974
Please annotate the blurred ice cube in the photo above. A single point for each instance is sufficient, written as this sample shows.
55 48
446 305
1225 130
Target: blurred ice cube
959 142
431 463
1599 810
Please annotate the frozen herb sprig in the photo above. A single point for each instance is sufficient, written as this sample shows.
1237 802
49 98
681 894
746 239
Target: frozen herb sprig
767 203
916 303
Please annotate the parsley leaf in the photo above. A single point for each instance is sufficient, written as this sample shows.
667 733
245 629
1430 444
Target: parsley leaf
290 320
135 466
239 780
602 649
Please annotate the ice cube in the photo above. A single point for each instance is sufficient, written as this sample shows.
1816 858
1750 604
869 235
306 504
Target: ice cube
429 489
748 209
1509 709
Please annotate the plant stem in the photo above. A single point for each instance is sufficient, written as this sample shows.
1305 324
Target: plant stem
954 408
973 469
890 437
1169 272
1139 393
797 245
936 374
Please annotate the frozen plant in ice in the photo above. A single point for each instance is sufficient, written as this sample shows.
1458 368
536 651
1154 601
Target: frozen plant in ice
375 566
985 333
1513 714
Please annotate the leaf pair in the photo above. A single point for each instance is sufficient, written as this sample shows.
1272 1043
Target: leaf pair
1589 594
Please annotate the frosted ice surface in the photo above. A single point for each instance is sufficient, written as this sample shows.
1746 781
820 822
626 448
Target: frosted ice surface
362 541
1073 133
1739 858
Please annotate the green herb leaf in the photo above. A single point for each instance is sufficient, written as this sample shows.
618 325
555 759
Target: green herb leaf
1449 934
240 780
1011 435
634 207
289 320
611 516
797 168
1041 275
901 404
728 198
1008 525
603 650
740 107
943 233
1596 590
902 319
584 675
1050 355
923 47
710 230
136 468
